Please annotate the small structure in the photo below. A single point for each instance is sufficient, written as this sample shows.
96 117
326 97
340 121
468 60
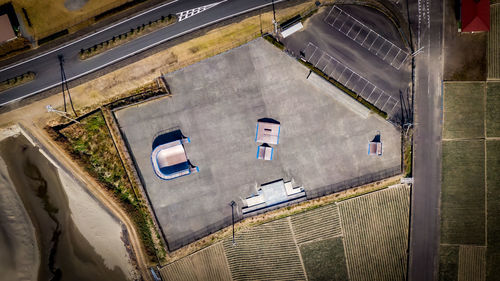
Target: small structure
273 194
265 152
169 158
268 131
291 29
475 15
375 146
6 31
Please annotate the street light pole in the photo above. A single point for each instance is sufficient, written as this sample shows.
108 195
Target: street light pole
274 20
232 218
61 113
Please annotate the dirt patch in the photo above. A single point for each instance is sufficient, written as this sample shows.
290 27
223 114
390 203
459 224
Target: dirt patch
464 53
74 5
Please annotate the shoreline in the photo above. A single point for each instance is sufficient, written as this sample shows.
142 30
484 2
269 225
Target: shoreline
89 244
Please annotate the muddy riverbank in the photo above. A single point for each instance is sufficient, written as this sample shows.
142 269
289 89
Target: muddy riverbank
75 237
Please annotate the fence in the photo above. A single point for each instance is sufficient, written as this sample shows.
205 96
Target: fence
189 237
358 181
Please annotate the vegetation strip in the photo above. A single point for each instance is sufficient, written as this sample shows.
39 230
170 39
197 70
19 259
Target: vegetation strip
16 81
128 36
91 144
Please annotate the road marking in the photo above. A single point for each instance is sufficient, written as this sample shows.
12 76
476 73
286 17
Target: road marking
192 12
311 48
88 36
141 50
355 22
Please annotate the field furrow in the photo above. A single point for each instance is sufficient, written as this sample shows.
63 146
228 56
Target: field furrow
207 264
321 223
265 252
471 263
494 43
376 234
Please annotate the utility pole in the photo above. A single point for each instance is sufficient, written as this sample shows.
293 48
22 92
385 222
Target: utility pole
64 85
61 113
274 20
232 218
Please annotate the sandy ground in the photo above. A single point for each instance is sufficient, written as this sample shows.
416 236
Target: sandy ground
89 239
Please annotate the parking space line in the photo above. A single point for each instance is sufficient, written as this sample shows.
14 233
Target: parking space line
392 110
366 38
353 21
388 52
386 103
395 56
357 34
354 78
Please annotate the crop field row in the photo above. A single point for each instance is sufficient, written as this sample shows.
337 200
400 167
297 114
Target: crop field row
448 262
493 109
265 252
375 230
324 259
493 208
462 193
494 43
320 223
471 262
463 110
207 264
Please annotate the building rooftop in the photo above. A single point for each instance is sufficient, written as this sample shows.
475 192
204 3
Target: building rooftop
268 132
6 31
169 157
265 152
475 15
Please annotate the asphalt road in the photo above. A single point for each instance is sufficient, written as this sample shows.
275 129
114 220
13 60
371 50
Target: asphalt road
46 66
424 231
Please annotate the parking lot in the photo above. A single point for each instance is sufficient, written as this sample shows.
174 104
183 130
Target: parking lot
360 48
216 103
335 69
366 37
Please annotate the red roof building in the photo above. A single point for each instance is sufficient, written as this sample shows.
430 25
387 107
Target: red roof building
475 15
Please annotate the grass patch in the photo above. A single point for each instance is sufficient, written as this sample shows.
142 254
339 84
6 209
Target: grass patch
123 38
463 110
324 260
345 89
91 144
408 159
16 81
462 193
493 209
448 263
493 109
51 16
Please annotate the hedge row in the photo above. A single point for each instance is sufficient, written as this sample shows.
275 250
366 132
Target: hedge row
345 89
16 81
127 36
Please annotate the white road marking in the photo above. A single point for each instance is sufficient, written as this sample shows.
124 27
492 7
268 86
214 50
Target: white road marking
353 21
192 12
141 50
88 36
311 48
